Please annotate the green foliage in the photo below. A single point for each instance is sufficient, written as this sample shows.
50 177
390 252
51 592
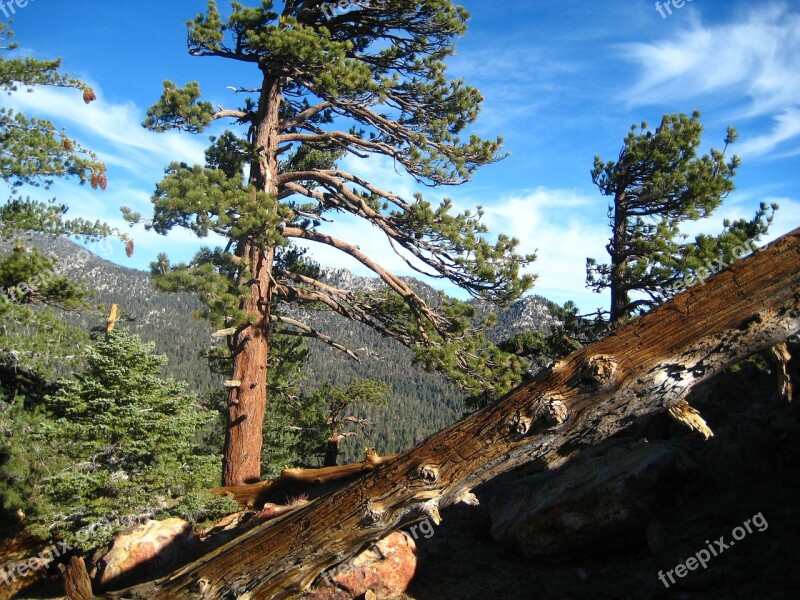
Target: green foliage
708 254
570 333
22 457
201 507
114 444
27 276
179 109
298 427
657 183
35 344
369 83
344 62
481 370
22 216
35 151
31 72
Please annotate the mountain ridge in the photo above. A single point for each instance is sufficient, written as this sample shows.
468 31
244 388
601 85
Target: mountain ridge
420 403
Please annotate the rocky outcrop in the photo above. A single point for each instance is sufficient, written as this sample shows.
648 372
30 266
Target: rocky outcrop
601 501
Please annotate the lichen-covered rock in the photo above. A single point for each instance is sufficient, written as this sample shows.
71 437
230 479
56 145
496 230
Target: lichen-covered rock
148 548
381 571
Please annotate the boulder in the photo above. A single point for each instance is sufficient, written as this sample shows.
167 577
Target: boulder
143 551
601 500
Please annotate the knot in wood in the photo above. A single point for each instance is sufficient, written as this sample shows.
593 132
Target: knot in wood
375 513
521 424
598 371
201 586
429 473
555 413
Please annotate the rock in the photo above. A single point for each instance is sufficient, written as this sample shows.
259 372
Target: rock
232 522
271 511
382 571
226 529
601 500
144 550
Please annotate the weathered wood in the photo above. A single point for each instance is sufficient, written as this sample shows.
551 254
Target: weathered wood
645 367
76 579
779 357
294 483
111 321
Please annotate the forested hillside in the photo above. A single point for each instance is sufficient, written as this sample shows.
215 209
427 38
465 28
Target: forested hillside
419 403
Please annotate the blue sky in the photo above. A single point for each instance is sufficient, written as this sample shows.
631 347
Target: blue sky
563 81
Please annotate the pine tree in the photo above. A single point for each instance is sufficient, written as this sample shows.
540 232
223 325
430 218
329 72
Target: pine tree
364 83
115 444
34 342
36 152
657 183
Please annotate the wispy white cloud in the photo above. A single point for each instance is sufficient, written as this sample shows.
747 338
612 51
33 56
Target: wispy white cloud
135 158
750 62
114 130
561 226
786 127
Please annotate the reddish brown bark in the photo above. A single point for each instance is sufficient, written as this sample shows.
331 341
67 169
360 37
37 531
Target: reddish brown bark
247 401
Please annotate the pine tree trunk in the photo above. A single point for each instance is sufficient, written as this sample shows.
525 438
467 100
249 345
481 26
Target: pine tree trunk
619 295
247 402
332 451
646 367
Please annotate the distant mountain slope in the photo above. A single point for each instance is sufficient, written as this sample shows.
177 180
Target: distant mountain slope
420 403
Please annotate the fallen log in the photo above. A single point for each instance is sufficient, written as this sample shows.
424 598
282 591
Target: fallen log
645 367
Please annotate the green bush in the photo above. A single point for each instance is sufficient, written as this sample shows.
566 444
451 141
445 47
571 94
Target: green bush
119 444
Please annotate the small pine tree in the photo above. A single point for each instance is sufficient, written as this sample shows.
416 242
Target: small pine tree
115 444
657 183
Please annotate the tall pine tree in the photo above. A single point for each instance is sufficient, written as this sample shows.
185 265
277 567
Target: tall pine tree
367 82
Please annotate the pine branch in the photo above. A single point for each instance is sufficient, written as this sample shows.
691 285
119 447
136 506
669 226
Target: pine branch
303 330
303 116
